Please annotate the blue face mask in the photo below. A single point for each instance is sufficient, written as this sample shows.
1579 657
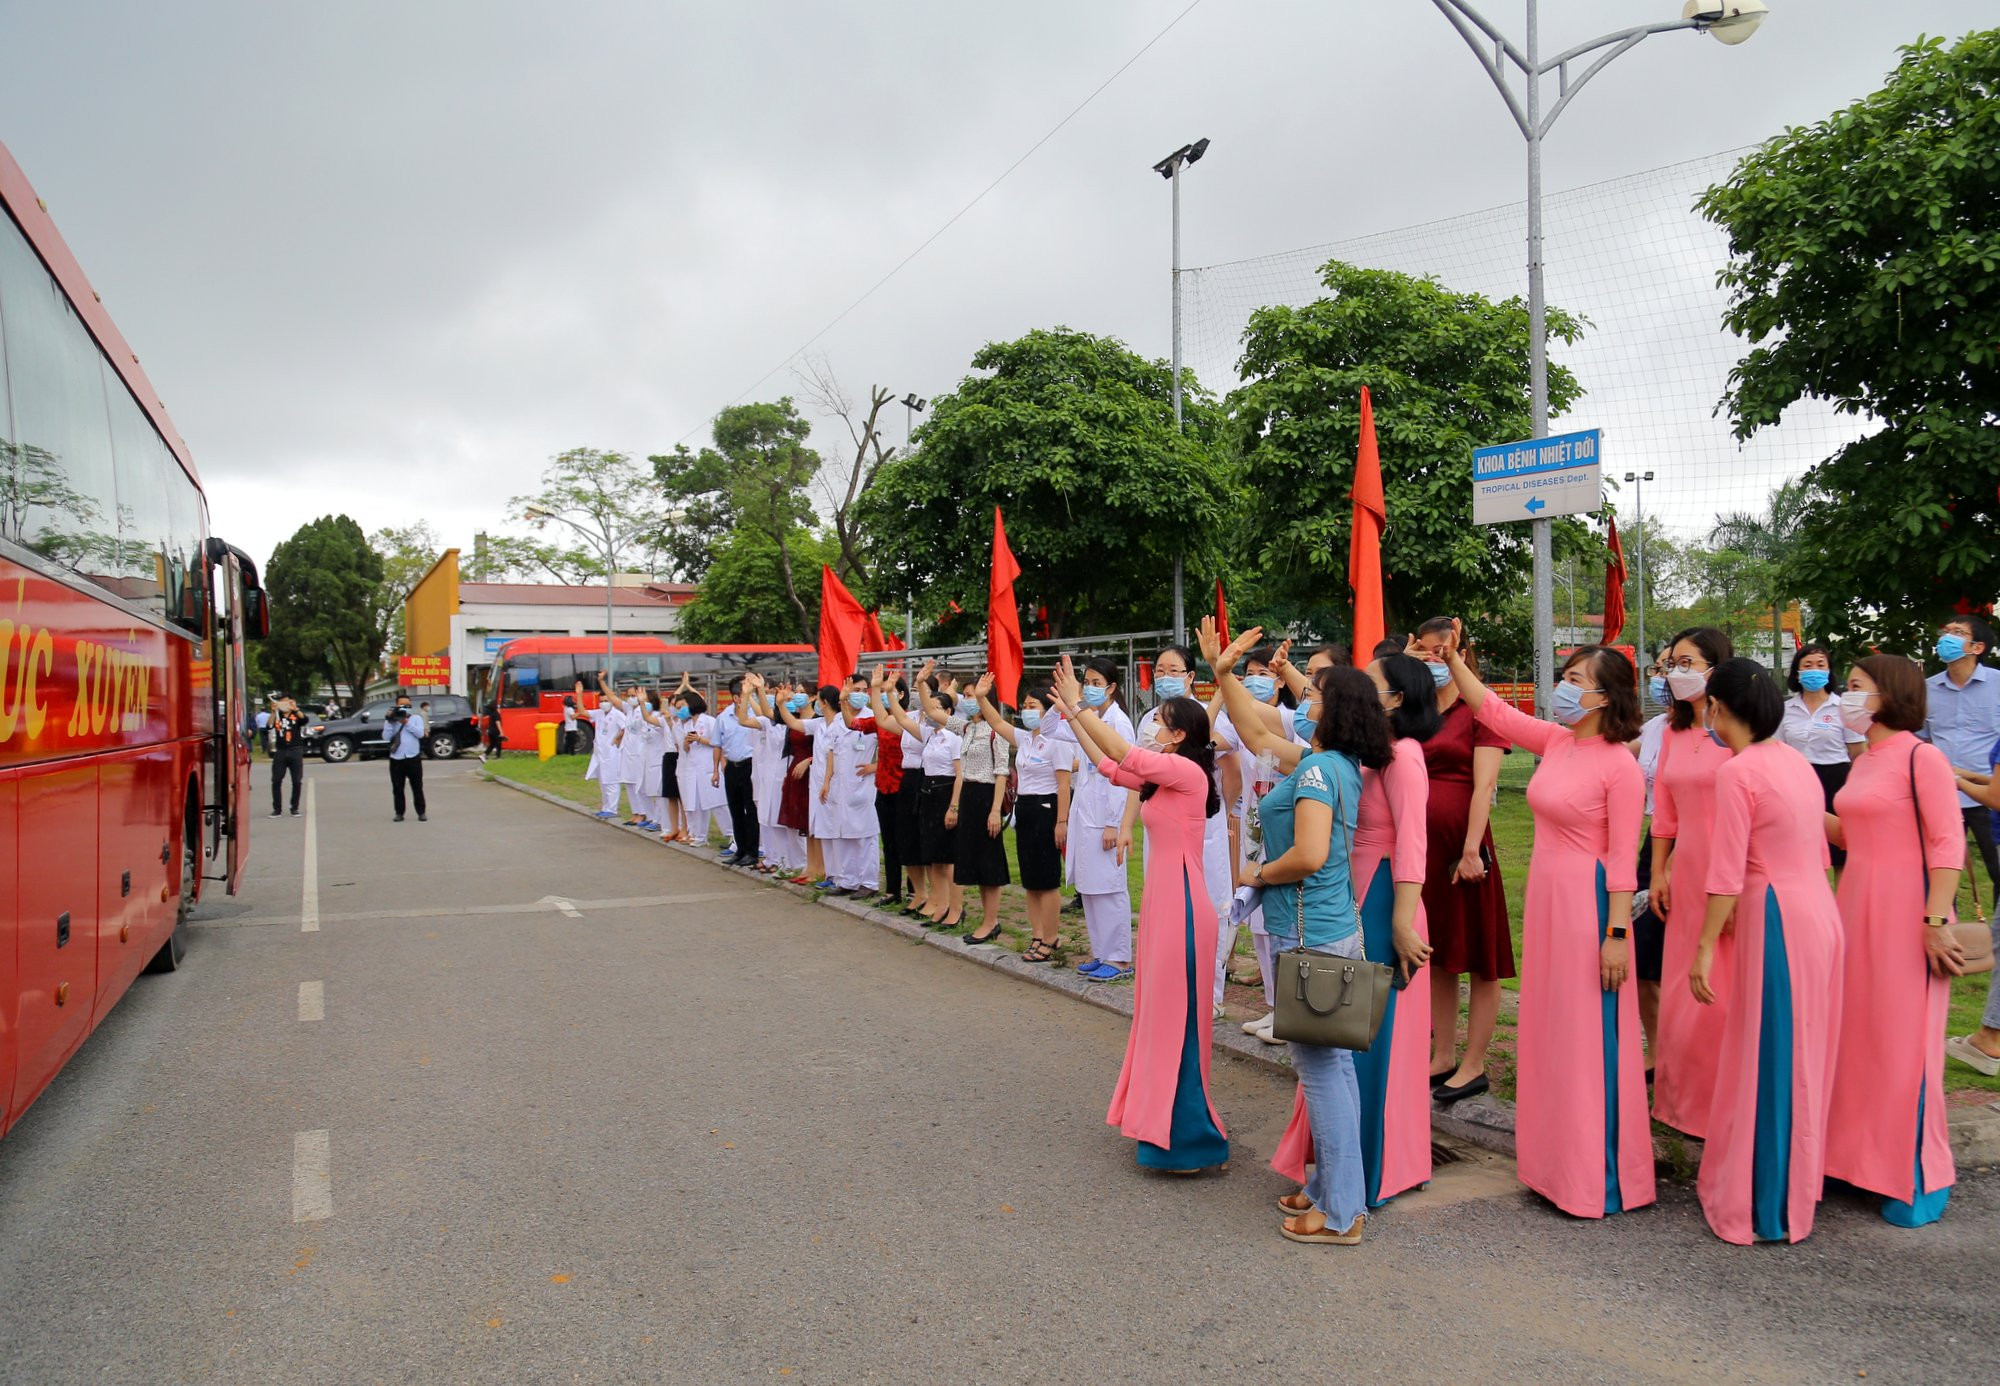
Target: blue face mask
968 707
1567 705
1031 718
1656 688
681 712
1094 694
1716 737
1305 720
1950 647
1813 680
1440 674
1170 686
1262 687
796 703
858 701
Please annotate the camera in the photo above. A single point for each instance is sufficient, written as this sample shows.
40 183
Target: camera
399 714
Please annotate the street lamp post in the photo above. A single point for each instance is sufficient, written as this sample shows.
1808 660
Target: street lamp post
1169 168
606 542
1731 22
1637 481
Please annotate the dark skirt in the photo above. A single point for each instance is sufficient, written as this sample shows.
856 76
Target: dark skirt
1468 922
1035 842
670 780
909 819
1831 778
939 848
982 856
794 796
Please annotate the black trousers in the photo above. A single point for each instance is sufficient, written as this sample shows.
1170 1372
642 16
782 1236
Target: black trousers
284 763
888 816
1979 822
407 772
743 825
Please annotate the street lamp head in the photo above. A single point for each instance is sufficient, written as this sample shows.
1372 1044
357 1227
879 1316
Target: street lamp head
535 512
1197 149
1186 154
913 404
1728 21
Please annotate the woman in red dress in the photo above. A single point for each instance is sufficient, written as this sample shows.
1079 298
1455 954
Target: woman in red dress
1464 899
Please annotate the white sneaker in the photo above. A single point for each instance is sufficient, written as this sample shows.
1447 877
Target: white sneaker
1220 1014
1962 1048
1251 1027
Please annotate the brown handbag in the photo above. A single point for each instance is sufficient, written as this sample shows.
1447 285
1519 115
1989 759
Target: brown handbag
1975 941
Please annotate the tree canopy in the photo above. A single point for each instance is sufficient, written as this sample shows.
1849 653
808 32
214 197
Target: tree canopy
743 601
1072 435
326 618
1447 372
590 492
1865 267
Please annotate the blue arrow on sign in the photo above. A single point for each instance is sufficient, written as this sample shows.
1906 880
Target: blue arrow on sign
1536 504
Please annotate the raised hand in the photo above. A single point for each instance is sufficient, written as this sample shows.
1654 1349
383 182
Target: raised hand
982 688
1210 641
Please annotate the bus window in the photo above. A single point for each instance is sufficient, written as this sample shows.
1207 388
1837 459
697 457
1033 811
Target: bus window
635 668
524 683
558 672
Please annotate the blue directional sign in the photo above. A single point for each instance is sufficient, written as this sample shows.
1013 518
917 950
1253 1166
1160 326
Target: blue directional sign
1539 478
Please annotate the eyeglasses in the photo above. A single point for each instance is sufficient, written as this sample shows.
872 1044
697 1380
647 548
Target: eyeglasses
1686 664
1653 670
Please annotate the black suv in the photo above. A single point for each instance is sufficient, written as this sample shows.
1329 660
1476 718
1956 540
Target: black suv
453 728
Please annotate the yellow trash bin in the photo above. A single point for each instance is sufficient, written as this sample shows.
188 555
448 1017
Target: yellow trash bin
545 739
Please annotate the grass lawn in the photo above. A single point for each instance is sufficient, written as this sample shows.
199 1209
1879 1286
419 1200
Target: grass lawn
1513 840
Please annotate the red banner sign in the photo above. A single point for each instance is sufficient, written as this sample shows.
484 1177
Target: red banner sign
423 669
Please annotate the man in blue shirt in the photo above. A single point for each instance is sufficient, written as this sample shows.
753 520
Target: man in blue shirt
404 731
1963 718
733 738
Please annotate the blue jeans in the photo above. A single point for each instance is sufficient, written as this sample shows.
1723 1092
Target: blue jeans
1333 1107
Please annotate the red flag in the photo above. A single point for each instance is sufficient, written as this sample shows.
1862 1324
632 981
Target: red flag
1614 589
841 623
873 640
1364 544
1221 613
1003 620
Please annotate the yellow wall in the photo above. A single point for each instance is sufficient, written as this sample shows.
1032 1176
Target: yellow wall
428 610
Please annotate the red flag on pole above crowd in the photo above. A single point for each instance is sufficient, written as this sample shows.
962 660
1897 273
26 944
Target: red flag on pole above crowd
1614 589
841 626
873 639
1221 613
1003 620
1364 543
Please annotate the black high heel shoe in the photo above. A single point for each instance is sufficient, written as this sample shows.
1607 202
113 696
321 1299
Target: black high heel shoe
989 936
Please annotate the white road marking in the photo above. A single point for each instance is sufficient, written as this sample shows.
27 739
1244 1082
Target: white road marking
468 911
312 1000
565 906
309 908
312 1177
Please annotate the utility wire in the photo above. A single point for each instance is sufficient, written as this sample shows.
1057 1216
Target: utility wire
955 218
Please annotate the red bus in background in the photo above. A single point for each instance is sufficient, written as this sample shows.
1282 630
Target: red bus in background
534 674
124 744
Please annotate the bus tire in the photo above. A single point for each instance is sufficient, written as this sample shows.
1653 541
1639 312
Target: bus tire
168 959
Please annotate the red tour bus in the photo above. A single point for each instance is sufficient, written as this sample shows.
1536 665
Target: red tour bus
534 674
124 750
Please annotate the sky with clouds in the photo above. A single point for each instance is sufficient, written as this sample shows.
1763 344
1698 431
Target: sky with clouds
387 258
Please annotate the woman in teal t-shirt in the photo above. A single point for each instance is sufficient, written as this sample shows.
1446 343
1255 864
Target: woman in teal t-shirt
1308 823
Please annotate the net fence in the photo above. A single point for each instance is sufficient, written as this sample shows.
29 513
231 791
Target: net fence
1635 259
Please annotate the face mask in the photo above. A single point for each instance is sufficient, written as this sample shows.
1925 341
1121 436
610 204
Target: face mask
796 703
968 707
1094 694
1031 718
858 701
1950 647
1812 680
1440 674
1688 684
682 713
1170 686
1715 736
1305 720
1262 687
1657 688
1854 713
1567 705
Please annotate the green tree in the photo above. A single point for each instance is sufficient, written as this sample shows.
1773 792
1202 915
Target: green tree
1447 372
326 618
743 601
407 554
1865 267
589 496
762 450
698 486
1767 546
521 558
1072 435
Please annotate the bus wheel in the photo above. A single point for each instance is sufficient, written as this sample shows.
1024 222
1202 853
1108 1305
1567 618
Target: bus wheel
168 959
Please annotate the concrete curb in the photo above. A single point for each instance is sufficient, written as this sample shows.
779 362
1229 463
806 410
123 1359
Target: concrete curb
1487 1121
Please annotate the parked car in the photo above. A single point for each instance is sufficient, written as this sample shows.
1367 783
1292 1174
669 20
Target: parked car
453 728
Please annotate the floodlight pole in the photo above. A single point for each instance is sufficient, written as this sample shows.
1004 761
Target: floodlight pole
1639 480
1180 609
1495 52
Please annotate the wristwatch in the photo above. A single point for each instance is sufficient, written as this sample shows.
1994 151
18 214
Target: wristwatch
1617 931
1937 921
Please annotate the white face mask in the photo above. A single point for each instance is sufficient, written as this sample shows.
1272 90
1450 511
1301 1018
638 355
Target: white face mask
1688 684
1854 710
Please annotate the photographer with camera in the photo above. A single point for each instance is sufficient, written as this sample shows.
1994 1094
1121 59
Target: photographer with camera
404 730
288 750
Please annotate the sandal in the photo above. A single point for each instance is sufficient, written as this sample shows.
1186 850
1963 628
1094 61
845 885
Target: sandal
1323 1235
1295 1205
1038 952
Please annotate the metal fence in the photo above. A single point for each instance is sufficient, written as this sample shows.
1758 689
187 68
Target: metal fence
1129 650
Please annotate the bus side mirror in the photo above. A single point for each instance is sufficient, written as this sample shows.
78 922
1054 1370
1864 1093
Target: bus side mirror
256 613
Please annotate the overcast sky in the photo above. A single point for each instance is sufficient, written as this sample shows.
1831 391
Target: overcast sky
387 258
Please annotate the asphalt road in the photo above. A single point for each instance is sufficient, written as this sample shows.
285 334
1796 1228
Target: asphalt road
690 1129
